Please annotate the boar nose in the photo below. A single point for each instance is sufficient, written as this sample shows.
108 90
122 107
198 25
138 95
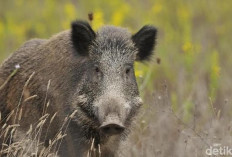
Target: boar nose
112 126
112 129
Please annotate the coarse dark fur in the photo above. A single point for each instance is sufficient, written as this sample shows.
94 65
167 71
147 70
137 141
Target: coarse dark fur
90 73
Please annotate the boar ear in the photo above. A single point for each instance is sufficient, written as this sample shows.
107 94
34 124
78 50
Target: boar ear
145 40
82 36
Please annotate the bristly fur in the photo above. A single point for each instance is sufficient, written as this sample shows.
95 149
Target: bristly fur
82 36
145 40
87 74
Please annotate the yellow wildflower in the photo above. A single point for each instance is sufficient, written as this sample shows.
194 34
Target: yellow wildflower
157 8
187 46
98 19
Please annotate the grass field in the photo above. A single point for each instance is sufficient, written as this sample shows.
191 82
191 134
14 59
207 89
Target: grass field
187 86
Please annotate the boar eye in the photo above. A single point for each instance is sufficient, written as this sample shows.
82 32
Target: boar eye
97 69
127 70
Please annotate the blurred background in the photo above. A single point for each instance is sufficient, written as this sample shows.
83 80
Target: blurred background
187 87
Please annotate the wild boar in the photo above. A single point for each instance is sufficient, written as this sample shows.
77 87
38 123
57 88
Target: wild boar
90 74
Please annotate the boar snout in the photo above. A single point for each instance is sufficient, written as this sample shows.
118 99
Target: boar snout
112 110
112 125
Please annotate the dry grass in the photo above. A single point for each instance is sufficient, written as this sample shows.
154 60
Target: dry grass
161 132
29 144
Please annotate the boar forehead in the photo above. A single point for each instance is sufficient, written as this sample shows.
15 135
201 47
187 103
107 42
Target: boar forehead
113 47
